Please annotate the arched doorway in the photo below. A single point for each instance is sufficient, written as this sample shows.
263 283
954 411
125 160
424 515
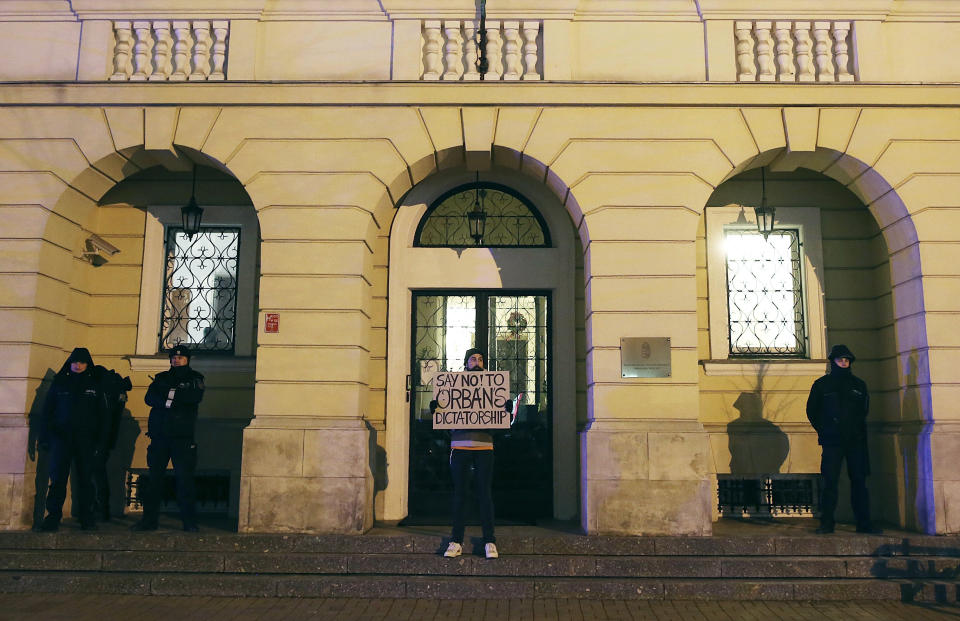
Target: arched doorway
514 298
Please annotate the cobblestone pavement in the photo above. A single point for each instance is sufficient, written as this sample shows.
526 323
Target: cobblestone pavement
40 607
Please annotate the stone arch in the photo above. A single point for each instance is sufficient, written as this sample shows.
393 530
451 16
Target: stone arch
900 446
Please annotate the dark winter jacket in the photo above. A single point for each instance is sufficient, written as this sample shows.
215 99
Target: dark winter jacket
173 397
115 387
837 407
76 404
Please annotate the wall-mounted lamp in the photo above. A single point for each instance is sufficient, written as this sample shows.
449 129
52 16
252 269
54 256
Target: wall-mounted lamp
191 213
477 217
764 212
98 250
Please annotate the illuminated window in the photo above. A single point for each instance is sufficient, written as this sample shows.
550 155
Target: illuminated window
200 289
765 293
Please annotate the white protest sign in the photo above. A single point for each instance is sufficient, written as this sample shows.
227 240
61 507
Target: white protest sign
471 400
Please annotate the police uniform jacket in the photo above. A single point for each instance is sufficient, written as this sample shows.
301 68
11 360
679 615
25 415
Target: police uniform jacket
75 404
173 397
837 408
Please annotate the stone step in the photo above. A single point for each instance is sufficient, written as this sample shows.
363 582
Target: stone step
561 545
784 567
453 587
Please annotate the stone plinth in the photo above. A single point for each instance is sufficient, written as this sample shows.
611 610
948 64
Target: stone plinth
646 478
306 475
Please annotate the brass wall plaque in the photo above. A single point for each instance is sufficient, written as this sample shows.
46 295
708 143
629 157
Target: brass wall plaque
645 356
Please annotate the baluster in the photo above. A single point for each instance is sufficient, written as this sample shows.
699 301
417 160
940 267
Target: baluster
470 51
161 50
181 49
452 51
511 50
141 51
219 50
764 52
840 32
530 52
785 70
822 51
801 33
121 51
432 66
201 50
746 69
494 44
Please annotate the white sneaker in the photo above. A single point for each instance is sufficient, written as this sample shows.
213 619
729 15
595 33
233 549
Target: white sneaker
453 550
490 549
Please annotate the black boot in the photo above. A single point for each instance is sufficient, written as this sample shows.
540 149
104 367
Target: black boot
50 524
825 528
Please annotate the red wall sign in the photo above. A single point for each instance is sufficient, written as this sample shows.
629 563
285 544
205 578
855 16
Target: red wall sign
271 323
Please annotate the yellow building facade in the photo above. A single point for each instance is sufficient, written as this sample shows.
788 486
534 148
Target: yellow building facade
640 133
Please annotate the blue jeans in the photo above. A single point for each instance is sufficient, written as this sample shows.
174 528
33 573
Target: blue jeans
461 463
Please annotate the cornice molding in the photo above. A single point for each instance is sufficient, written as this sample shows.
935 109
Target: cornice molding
167 9
850 10
36 11
479 94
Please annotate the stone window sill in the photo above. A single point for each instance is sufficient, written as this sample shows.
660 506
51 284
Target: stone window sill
204 364
756 368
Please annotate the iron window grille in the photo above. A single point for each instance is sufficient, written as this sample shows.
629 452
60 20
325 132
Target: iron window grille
211 487
511 222
200 289
776 495
765 293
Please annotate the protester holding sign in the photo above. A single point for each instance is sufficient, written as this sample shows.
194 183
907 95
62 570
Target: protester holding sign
481 405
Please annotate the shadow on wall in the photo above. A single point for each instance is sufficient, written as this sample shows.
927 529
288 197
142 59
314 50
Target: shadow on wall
42 457
757 446
378 462
919 508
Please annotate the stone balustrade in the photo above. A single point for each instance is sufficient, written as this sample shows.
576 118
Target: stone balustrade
160 50
794 51
450 50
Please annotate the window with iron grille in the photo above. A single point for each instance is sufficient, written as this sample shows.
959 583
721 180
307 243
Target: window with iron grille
765 293
200 289
511 220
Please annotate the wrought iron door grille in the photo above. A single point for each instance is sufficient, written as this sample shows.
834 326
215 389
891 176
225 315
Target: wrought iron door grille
765 294
511 220
512 328
200 289
783 495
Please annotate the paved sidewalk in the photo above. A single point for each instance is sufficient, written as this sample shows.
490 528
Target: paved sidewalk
41 607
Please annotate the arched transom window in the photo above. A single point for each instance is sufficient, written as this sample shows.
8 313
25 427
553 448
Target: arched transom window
511 220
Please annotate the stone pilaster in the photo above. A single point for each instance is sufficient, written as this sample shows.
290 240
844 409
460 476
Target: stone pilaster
645 455
306 454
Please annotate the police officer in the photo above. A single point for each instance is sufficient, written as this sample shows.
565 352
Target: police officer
74 428
837 408
173 397
115 388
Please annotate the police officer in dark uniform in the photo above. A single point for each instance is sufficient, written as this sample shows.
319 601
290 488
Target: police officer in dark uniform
74 428
837 408
173 397
115 388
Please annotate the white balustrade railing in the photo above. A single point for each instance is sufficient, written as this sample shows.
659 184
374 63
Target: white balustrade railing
158 50
450 50
794 51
